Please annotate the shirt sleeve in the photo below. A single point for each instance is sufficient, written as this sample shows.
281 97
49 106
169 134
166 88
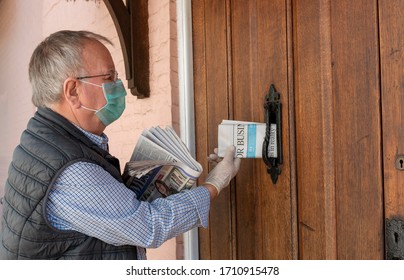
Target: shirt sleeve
87 199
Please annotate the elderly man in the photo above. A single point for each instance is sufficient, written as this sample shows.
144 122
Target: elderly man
65 197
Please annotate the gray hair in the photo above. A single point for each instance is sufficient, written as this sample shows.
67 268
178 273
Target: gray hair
55 59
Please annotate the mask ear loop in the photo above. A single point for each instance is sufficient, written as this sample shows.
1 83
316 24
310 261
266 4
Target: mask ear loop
89 109
90 83
103 91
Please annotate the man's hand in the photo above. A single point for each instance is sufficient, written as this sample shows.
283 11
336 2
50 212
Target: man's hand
224 171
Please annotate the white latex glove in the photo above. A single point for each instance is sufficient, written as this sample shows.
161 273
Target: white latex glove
225 170
214 158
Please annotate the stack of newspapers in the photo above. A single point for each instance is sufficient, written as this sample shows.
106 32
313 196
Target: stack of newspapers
160 165
247 137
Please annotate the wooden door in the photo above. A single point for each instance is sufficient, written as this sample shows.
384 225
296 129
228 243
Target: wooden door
338 67
392 98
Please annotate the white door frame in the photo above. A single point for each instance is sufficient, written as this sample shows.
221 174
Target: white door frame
186 103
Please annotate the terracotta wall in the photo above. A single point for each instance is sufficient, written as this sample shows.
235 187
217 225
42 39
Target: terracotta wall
23 24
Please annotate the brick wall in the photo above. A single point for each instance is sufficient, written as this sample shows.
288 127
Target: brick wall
19 34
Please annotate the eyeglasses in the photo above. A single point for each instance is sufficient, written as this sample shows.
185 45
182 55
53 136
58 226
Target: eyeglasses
113 76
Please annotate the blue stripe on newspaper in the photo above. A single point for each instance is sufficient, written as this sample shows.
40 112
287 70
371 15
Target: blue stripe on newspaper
252 132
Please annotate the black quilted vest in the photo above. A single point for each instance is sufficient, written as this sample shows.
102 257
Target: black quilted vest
48 145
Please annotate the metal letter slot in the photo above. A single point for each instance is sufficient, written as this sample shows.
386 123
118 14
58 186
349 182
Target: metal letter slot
272 146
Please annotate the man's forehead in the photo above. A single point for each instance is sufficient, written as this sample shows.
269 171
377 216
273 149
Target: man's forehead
97 56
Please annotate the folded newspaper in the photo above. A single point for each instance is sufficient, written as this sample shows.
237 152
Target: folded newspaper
247 137
160 165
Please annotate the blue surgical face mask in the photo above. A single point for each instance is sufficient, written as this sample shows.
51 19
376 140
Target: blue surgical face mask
114 93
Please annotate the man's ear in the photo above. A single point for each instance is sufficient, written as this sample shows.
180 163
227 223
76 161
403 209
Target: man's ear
70 92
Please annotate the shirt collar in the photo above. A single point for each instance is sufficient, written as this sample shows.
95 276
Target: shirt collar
100 141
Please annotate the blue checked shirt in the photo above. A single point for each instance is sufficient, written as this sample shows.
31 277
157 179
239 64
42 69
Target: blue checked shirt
87 199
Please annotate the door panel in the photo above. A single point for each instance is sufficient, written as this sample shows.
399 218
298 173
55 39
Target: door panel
253 217
392 83
314 130
392 88
338 129
258 59
357 130
211 105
